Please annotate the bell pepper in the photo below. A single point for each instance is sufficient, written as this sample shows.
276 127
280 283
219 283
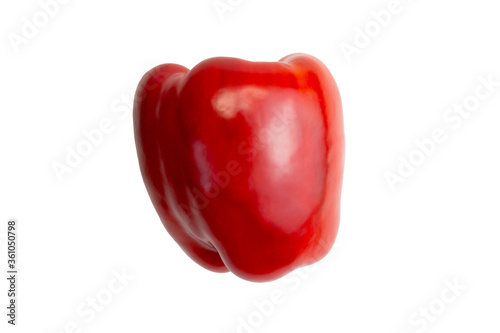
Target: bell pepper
243 161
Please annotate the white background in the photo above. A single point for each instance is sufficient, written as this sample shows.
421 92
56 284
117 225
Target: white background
396 249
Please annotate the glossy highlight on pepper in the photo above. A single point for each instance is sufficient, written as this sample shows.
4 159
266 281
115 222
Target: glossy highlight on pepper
243 161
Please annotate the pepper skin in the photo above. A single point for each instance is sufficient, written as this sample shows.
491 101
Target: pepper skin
243 161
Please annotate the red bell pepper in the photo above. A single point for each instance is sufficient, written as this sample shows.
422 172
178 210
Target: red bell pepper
243 161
